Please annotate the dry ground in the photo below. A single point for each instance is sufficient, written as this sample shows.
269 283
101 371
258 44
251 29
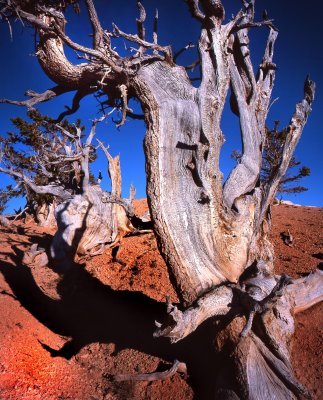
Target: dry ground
64 337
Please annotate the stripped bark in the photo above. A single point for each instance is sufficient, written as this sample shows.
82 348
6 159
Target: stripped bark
213 235
261 361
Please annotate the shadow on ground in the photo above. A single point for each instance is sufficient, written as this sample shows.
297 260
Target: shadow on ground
90 312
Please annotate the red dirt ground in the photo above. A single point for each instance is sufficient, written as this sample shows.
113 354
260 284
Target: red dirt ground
63 337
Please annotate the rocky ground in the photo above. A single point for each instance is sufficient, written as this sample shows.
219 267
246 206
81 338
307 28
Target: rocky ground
65 337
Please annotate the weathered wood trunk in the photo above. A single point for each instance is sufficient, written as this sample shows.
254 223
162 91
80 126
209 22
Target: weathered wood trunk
45 214
205 242
259 365
212 234
87 224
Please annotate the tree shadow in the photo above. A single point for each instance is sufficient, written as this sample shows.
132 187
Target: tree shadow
89 312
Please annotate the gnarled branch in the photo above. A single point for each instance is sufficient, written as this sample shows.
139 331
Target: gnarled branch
178 366
294 131
182 323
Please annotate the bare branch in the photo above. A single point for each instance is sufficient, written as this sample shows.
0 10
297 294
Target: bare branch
193 65
166 50
20 213
98 33
37 22
181 51
113 170
125 109
52 13
132 193
79 95
141 20
2 15
253 25
259 294
60 158
45 172
247 328
40 24
154 376
54 190
242 51
56 28
65 132
294 131
306 292
95 53
215 303
111 198
233 23
195 10
279 368
37 97
266 72
134 115
250 100
155 30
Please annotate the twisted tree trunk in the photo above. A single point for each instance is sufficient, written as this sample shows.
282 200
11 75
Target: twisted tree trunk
206 242
88 222
212 234
218 238
85 225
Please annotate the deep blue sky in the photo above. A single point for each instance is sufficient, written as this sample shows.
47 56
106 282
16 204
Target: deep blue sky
298 52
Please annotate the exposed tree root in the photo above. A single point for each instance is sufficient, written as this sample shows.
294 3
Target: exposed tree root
178 366
217 302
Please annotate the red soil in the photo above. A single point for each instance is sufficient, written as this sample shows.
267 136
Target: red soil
63 337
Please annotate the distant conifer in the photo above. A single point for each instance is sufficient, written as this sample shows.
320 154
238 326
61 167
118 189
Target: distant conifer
25 148
272 156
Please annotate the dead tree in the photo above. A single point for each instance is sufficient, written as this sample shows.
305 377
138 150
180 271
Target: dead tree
213 235
88 219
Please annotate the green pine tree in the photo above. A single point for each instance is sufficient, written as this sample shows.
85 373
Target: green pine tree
272 156
32 144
